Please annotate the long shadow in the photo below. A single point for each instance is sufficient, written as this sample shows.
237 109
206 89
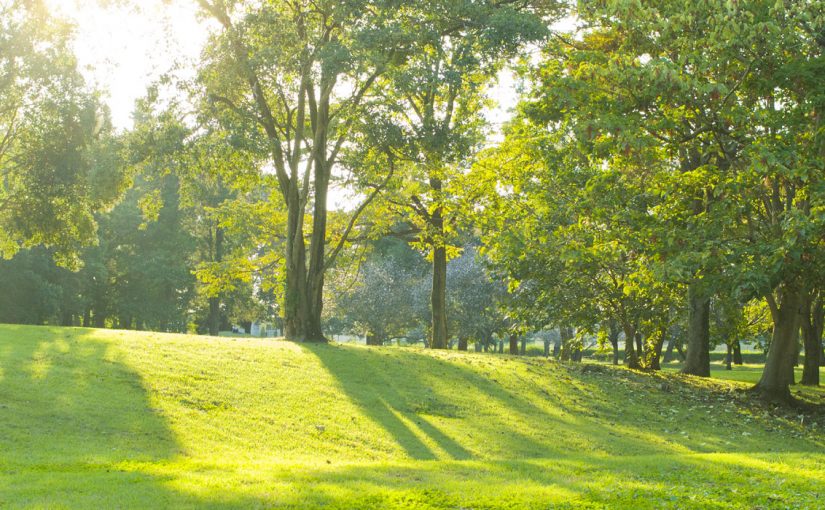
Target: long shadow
406 393
72 414
381 396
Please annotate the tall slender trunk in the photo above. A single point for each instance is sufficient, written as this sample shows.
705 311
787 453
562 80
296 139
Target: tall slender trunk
812 325
613 336
777 376
214 320
698 334
729 358
438 299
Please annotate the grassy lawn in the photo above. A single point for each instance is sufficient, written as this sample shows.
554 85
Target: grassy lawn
110 419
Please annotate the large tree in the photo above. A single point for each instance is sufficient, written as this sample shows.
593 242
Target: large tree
296 76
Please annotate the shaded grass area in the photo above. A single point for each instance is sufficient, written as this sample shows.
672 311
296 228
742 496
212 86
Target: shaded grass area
122 419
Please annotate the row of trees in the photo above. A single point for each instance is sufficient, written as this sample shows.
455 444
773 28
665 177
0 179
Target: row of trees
670 156
665 165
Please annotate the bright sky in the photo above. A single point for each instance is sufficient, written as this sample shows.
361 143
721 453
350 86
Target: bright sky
123 48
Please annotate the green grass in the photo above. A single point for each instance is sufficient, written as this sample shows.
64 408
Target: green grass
109 419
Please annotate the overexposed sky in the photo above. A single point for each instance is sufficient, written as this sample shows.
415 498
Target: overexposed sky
122 47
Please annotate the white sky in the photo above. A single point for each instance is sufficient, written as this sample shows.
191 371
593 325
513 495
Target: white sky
123 48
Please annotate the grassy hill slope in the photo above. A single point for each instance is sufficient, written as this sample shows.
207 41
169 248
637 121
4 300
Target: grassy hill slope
122 419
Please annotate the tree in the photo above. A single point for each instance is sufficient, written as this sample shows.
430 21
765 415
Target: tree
296 76
436 97
58 157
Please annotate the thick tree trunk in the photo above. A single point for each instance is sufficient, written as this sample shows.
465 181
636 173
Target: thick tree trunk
296 308
501 346
523 346
631 359
777 376
557 347
737 353
812 325
462 343
513 344
698 334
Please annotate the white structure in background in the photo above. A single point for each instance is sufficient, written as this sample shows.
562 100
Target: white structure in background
264 329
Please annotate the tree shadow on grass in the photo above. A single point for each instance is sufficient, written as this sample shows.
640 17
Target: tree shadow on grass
69 411
437 409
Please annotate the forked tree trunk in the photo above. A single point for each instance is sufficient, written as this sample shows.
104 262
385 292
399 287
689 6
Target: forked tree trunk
698 334
777 376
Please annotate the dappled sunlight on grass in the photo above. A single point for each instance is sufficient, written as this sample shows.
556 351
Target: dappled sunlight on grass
111 418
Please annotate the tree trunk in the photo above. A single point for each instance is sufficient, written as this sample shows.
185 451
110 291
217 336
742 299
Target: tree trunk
439 292
631 359
214 319
462 343
295 307
812 325
655 355
547 348
671 344
777 376
317 247
557 347
737 353
501 346
729 358
523 347
373 339
613 336
698 334
513 344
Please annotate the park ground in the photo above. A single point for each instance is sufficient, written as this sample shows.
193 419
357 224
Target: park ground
116 419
